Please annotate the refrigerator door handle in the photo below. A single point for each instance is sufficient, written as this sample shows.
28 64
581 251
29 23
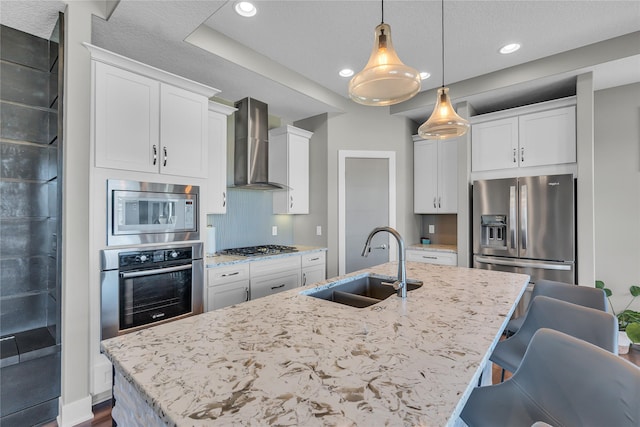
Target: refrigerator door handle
515 263
512 216
523 217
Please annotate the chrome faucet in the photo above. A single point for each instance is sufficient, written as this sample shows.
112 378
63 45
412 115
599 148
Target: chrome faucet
401 284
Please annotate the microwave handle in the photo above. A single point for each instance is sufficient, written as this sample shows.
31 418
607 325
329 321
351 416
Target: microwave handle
128 275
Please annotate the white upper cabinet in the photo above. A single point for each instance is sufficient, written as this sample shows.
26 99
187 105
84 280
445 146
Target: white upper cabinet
289 165
183 132
435 174
526 139
148 120
217 193
127 120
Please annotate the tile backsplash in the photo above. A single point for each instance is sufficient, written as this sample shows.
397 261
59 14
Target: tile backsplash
249 221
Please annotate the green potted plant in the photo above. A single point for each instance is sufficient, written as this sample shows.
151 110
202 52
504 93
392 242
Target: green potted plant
628 320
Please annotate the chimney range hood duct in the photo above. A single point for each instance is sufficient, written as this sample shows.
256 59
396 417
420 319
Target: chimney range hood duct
251 158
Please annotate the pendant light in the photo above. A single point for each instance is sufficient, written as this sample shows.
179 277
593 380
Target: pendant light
444 122
385 80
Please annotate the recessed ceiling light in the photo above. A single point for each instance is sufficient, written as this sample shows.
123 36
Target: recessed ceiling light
509 48
424 75
346 72
245 8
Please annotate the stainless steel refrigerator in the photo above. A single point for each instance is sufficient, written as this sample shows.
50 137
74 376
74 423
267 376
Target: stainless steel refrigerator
526 225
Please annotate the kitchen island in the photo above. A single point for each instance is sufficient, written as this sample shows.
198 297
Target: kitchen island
291 359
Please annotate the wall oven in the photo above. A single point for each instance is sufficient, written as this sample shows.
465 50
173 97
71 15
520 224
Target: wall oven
148 212
144 286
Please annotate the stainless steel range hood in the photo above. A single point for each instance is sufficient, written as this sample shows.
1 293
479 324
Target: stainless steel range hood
251 158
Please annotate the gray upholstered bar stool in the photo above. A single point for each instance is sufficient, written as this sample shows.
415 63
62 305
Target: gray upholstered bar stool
562 381
581 295
588 324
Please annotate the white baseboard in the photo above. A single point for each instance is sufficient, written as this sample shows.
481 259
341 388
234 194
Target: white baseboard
74 413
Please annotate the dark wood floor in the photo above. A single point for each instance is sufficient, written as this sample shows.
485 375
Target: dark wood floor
102 411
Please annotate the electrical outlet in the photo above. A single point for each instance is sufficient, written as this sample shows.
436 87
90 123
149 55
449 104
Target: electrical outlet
318 230
432 228
274 230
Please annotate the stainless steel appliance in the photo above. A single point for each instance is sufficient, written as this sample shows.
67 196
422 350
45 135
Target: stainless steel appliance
144 286
259 250
146 212
526 225
251 155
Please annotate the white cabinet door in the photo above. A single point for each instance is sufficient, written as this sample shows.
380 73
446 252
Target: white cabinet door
448 176
548 137
224 295
435 186
289 165
494 145
217 193
183 132
311 275
126 119
425 176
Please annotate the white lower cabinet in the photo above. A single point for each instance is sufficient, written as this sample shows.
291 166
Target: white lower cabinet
269 277
432 257
313 268
227 286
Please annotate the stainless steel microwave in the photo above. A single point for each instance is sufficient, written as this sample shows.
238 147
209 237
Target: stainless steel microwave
147 212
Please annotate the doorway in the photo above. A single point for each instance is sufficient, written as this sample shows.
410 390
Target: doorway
367 199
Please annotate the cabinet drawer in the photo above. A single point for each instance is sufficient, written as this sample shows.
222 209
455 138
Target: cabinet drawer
315 258
227 274
278 265
433 257
272 284
224 295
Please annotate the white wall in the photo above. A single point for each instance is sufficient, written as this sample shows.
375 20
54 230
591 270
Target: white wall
617 190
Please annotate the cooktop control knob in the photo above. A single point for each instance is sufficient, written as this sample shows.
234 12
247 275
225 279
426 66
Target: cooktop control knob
143 258
173 254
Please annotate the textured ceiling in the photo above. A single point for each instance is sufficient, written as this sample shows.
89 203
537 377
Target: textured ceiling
289 54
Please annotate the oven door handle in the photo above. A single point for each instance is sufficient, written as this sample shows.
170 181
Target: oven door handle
128 275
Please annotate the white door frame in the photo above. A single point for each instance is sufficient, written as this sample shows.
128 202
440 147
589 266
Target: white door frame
343 155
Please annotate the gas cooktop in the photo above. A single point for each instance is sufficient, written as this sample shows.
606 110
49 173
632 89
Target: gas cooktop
259 250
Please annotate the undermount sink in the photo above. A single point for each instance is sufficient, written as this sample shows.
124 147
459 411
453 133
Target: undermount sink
362 291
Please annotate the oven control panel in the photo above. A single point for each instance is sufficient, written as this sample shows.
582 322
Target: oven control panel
153 257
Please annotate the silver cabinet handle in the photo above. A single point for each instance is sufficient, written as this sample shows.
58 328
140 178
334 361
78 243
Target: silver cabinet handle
291 202
247 292
235 273
434 202
164 163
522 154
314 259
304 279
439 200
277 287
382 246
224 199
429 257
515 158
155 155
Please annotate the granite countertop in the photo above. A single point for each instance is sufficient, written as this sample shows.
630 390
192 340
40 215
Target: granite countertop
291 359
221 260
434 247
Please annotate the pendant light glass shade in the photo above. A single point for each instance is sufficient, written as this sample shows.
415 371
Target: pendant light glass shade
444 122
385 80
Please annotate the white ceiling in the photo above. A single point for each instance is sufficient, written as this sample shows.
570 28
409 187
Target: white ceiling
290 53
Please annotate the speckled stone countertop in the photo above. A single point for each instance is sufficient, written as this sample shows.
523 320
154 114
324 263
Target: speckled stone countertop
434 247
221 260
291 359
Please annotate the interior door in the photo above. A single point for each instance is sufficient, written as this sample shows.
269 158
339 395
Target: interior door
367 207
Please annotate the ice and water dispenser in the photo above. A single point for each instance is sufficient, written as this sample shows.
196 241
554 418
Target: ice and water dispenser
493 231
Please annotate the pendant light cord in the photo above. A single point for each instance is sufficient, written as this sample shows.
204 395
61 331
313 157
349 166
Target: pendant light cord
442 27
382 7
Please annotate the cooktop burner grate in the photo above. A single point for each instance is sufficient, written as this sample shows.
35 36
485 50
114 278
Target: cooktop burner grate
259 250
